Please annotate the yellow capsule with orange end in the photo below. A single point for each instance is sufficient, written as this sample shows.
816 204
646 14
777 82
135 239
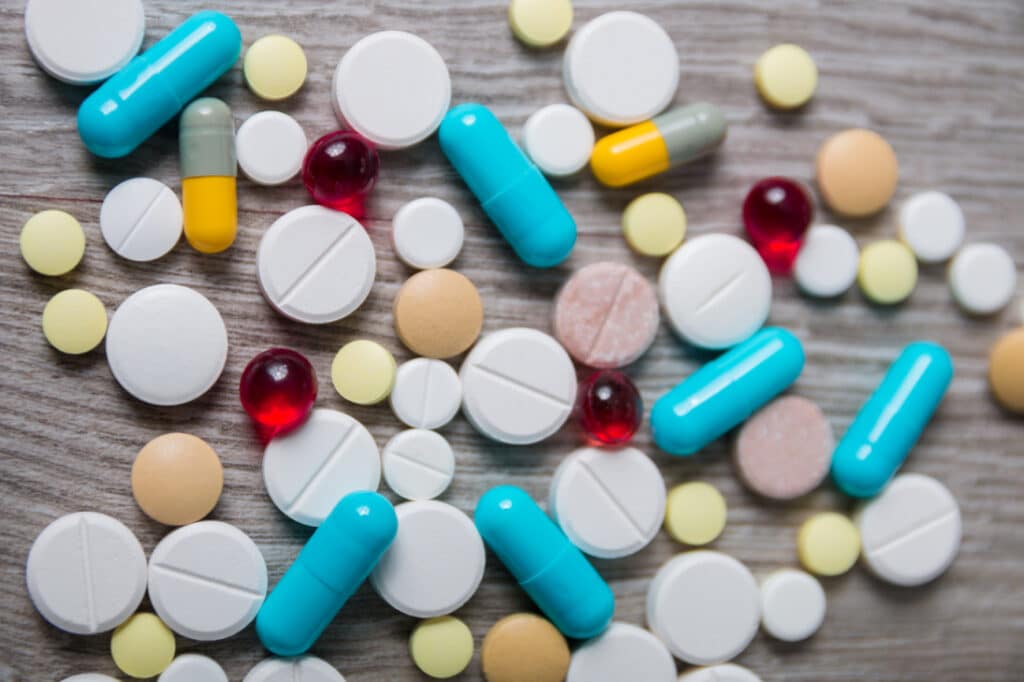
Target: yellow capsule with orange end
208 170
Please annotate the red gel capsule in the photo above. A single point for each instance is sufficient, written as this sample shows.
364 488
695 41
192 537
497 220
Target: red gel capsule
609 408
777 213
277 390
339 171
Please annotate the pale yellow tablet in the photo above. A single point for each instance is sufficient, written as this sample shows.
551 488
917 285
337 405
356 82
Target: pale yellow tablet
441 647
274 67
654 224
786 76
887 272
695 513
828 544
74 321
540 23
52 242
363 372
142 646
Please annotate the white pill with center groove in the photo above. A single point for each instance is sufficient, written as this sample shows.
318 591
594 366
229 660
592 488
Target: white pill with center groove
726 672
418 464
193 668
141 219
301 669
427 393
622 652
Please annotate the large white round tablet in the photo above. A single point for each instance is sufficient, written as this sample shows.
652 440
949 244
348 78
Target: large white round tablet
418 464
826 265
86 573
301 669
983 278
910 534
270 146
308 470
141 219
84 42
427 393
621 68
726 672
792 605
558 139
622 652
610 503
932 225
518 386
207 580
166 344
705 606
715 290
435 563
392 88
427 233
193 668
316 265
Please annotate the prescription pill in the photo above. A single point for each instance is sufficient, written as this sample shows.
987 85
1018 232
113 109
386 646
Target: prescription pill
606 315
177 479
86 573
518 386
932 225
209 170
983 278
792 605
427 393
828 544
52 242
166 344
427 233
193 668
558 139
435 563
270 146
89 677
622 652
524 647
74 321
308 470
418 464
695 513
141 219
687 590
540 23
826 264
438 313
274 67
857 172
726 672
609 503
301 669
207 580
363 372
786 76
315 265
441 647
887 272
1006 370
142 646
654 224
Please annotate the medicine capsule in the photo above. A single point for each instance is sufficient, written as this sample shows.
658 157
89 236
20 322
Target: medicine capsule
551 569
135 102
891 421
336 560
207 138
513 193
676 137
724 392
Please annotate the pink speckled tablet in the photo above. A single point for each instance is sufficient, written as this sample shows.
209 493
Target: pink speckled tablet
784 450
606 315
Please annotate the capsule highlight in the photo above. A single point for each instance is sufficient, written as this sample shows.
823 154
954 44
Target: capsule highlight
208 169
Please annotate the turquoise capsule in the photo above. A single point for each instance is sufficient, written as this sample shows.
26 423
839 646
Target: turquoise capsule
724 392
540 557
336 560
891 421
513 193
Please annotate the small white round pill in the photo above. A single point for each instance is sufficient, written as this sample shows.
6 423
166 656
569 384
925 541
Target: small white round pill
932 225
90 677
193 668
141 219
270 146
427 233
826 265
622 652
983 278
301 669
418 464
558 139
427 393
792 605
726 672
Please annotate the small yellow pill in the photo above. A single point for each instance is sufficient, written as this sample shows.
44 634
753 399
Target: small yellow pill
695 513
441 647
654 224
52 242
828 544
363 372
887 272
540 23
142 646
274 67
786 76
74 321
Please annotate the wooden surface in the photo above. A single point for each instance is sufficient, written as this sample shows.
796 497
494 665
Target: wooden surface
942 80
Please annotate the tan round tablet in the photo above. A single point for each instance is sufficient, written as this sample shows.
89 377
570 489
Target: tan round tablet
1006 370
857 172
438 313
177 479
524 647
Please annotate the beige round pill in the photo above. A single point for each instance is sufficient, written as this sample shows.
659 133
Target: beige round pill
524 647
438 313
74 321
857 172
1006 370
177 479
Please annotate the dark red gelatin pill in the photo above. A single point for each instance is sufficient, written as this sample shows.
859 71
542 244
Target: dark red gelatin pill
339 171
777 213
609 408
277 390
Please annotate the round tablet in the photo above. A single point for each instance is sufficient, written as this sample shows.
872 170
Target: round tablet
857 172
524 647
622 652
932 224
435 563
558 139
705 606
518 386
654 224
828 544
418 464
74 321
316 265
193 668
300 669
392 88
695 513
141 219
270 146
826 264
715 290
166 344
207 580
89 677
274 67
86 573
441 647
621 68
52 242
308 470
84 42
983 278
887 272
438 313
606 315
786 76
177 479
142 646
726 672
1006 370
540 23
427 233
363 372
427 393
792 605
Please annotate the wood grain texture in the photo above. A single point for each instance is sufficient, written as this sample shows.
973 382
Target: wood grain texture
940 78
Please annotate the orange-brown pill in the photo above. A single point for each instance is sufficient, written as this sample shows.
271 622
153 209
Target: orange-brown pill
1006 370
177 479
438 313
524 647
857 172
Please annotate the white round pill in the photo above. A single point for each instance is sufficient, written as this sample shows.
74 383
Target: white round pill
792 605
726 672
558 139
427 393
983 278
270 146
316 265
392 88
86 573
910 533
193 668
141 219
166 344
90 677
308 470
427 233
418 464
705 606
621 68
826 265
932 225
609 503
622 652
715 290
301 669
435 563
518 386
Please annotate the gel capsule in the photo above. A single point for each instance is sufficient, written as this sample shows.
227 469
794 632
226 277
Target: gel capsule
339 171
207 138
277 389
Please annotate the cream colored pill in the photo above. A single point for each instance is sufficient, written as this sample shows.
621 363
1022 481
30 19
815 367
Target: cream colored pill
696 513
654 224
177 479
786 76
828 544
363 372
857 172
438 313
441 647
74 321
274 67
52 242
142 646
887 273
524 647
540 23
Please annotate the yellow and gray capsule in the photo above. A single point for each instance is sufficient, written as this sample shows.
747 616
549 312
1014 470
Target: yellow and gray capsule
207 139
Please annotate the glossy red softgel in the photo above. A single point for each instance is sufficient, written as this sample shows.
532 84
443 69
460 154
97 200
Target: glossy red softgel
609 408
777 213
339 171
278 389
